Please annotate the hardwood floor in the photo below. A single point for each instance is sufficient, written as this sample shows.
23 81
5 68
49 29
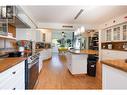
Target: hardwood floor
55 75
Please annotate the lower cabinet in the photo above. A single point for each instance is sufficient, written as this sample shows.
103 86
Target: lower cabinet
77 63
40 60
113 78
47 53
13 78
44 55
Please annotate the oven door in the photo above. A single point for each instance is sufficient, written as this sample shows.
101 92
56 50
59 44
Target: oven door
33 70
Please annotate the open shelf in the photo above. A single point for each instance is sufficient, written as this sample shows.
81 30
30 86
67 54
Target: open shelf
7 37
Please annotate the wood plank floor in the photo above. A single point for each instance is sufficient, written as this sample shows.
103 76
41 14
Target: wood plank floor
55 75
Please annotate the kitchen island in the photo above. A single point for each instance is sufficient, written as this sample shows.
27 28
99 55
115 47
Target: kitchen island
77 60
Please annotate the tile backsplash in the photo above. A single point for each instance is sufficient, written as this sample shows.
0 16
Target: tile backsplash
115 45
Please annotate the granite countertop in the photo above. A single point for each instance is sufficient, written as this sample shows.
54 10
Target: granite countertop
117 63
84 51
7 63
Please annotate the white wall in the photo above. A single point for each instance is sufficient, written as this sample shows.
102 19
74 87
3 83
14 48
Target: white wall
48 34
26 34
59 26
118 19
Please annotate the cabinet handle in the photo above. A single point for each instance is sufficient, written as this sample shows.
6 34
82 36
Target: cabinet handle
14 89
14 72
92 65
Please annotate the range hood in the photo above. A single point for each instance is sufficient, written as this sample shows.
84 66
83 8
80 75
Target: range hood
22 20
18 23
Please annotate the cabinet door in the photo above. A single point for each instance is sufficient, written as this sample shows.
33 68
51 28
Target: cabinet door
13 77
103 36
116 33
108 34
124 30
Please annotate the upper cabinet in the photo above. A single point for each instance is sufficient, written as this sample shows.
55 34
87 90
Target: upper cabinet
115 33
124 30
108 34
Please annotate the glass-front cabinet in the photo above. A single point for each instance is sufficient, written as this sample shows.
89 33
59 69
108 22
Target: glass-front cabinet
3 28
124 30
116 33
108 35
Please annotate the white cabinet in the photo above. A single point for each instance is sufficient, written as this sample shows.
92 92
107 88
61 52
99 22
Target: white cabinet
103 36
108 35
77 63
40 60
13 78
113 78
47 53
124 30
115 33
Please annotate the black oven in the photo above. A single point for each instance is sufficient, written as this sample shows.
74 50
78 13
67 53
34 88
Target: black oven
33 72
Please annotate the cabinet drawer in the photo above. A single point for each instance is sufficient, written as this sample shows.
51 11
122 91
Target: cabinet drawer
13 80
10 77
10 72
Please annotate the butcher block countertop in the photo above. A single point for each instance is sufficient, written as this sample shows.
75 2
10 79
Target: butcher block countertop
84 51
7 63
117 63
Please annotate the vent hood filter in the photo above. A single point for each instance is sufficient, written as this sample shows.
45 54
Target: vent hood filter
67 26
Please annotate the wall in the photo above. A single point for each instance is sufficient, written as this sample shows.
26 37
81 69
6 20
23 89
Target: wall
33 34
114 21
48 34
59 26
26 34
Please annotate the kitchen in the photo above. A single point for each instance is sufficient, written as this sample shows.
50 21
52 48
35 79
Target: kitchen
93 57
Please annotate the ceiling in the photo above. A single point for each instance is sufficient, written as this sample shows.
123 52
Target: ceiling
93 15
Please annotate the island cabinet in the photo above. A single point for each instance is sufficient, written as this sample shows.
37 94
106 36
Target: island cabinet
13 78
77 63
